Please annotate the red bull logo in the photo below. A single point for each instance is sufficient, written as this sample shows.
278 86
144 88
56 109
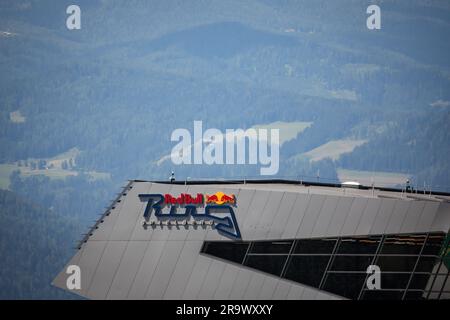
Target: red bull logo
217 209
184 198
220 198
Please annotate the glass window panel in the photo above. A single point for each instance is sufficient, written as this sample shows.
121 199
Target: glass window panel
426 264
433 295
307 269
232 251
271 247
382 295
267 263
351 263
394 280
415 295
403 244
420 281
359 245
434 244
445 295
315 246
396 263
440 267
437 283
347 285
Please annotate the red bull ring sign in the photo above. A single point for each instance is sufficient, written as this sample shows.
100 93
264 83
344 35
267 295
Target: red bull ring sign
183 211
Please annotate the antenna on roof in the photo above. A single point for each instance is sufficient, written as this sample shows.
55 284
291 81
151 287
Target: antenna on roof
373 186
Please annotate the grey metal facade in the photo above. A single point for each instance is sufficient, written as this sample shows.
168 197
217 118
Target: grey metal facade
121 259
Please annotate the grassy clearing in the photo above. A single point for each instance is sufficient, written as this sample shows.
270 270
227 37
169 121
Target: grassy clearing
55 173
67 156
54 169
99 175
288 130
333 149
17 117
5 172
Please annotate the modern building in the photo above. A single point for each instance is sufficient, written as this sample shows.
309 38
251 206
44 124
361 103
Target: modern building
265 239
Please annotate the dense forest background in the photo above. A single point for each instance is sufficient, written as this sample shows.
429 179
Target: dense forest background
83 111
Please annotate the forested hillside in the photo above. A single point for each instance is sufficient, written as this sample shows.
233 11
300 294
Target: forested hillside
35 244
118 87
83 111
